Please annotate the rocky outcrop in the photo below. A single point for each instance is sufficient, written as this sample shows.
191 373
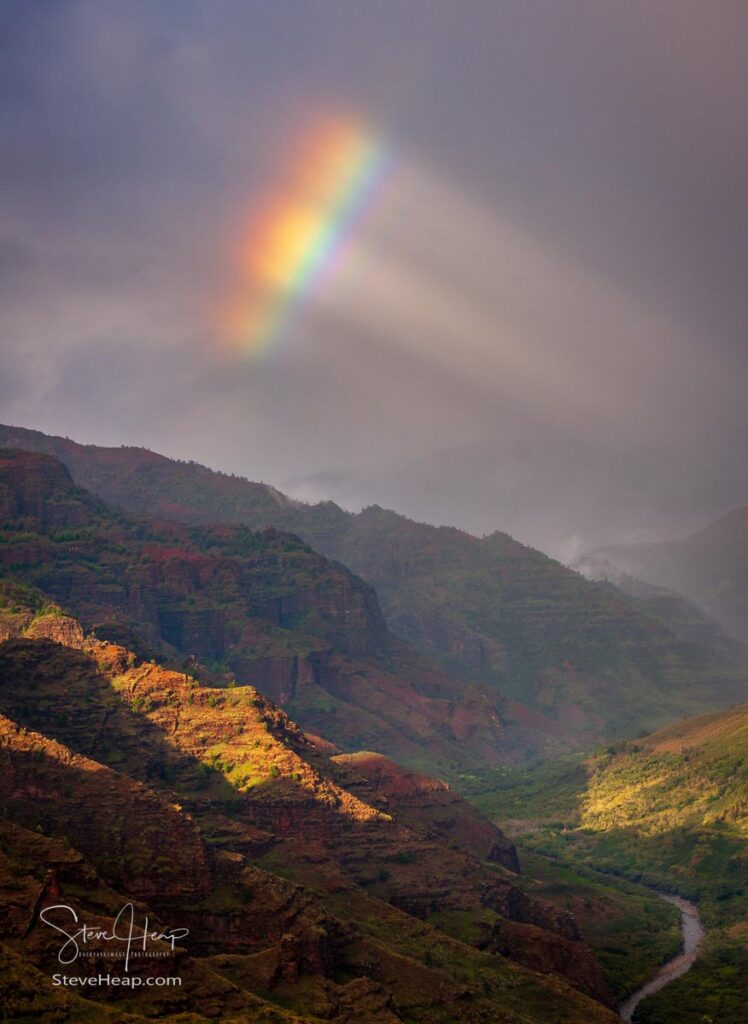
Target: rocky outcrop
336 891
546 952
43 875
61 629
430 803
193 591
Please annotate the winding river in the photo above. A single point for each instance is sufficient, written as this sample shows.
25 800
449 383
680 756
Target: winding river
693 933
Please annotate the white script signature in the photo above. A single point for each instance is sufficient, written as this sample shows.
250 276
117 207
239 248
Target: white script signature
123 930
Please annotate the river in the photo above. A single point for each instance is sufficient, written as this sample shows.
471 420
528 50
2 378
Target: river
693 933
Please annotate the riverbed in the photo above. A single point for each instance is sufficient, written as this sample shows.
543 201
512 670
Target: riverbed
693 932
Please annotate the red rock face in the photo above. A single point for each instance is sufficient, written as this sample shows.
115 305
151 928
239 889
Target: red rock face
585 656
61 629
544 951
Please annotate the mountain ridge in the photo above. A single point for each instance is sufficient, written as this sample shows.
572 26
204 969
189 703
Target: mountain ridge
584 656
709 566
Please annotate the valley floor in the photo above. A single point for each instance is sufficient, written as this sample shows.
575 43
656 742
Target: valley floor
601 834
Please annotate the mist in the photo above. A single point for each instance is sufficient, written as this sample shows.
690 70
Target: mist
539 326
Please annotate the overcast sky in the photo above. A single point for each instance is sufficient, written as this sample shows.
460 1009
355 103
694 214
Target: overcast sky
540 326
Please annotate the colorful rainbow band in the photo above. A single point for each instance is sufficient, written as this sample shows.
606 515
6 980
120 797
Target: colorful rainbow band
298 237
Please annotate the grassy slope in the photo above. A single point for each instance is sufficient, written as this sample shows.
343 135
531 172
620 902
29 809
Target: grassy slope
671 811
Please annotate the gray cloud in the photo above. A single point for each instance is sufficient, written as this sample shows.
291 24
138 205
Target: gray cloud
546 329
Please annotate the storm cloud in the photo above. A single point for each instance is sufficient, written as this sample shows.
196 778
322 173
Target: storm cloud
541 327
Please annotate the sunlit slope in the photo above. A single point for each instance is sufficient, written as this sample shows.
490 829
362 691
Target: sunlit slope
670 809
693 774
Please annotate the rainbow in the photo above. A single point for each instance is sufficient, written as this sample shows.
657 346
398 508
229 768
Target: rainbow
299 234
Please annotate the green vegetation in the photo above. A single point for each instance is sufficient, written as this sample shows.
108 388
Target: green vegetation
549 788
668 810
494 610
